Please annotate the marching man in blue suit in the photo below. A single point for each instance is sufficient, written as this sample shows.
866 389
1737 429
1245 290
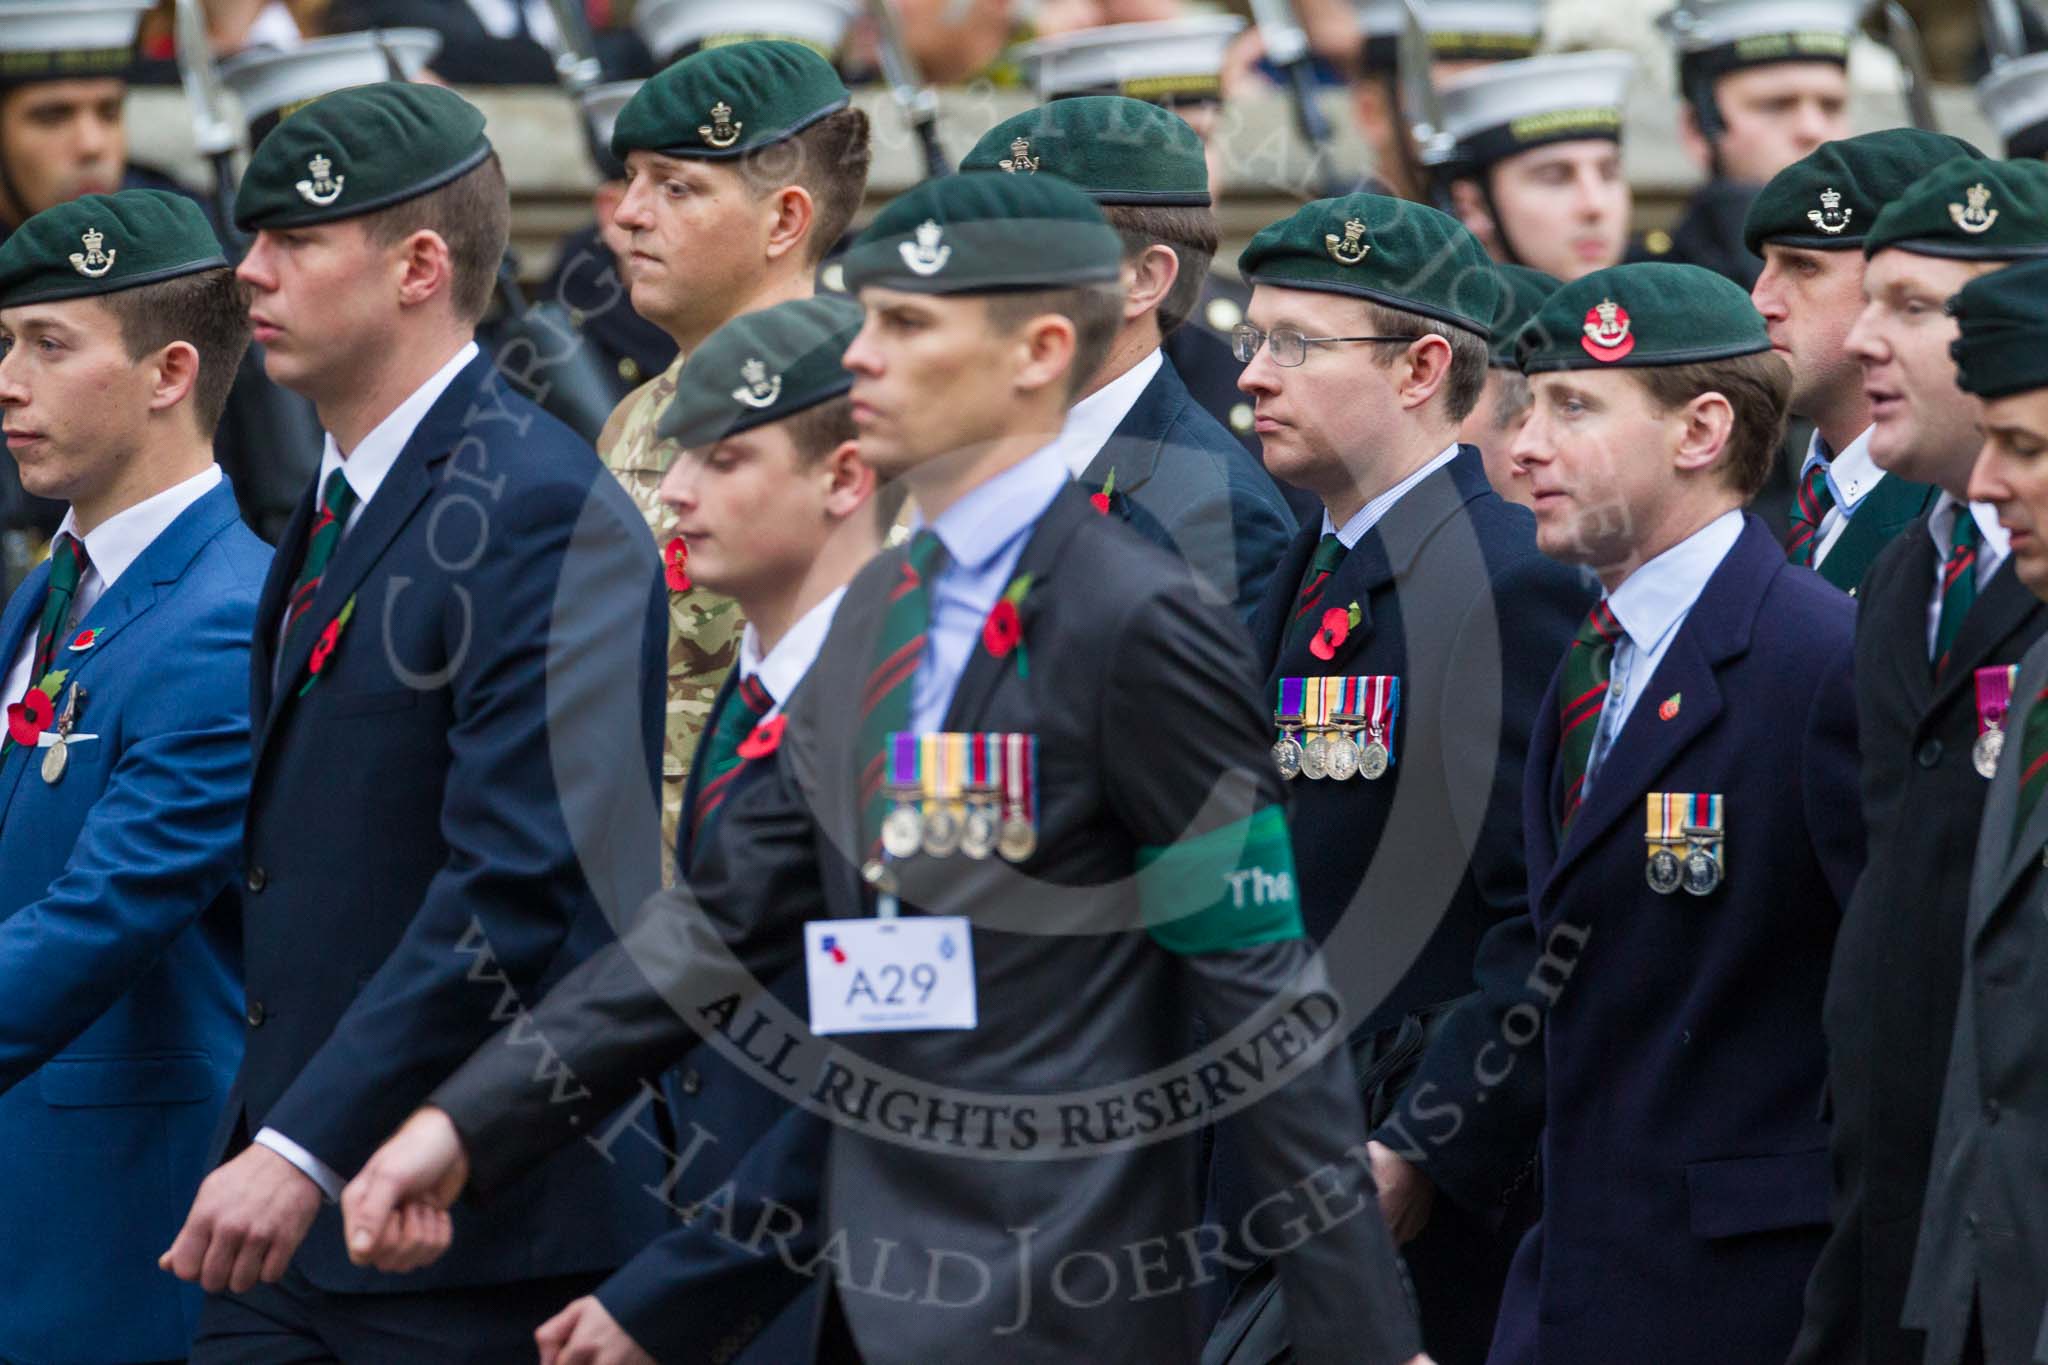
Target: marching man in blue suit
123 769
1689 847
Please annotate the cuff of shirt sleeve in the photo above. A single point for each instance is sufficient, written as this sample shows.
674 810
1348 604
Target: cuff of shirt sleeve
312 1167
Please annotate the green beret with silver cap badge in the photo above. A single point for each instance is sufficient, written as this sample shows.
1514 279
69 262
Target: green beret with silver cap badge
724 102
983 233
762 367
104 243
1641 314
67 40
359 150
1400 254
1118 150
1969 209
1829 199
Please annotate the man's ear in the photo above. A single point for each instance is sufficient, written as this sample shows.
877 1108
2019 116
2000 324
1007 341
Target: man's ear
177 375
1151 276
1697 149
1470 206
791 216
849 482
425 266
1706 423
1046 346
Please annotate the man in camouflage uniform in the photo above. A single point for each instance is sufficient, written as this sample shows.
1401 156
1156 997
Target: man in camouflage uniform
718 229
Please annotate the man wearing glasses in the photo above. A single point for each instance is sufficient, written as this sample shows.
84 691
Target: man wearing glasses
1406 638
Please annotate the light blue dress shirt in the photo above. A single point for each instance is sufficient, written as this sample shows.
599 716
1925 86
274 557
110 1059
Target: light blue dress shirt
984 534
1651 604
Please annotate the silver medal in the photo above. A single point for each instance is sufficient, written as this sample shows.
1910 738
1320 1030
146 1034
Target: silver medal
1664 871
1984 753
979 831
941 832
902 831
1340 760
54 760
1315 758
1702 872
1373 761
1287 756
1018 840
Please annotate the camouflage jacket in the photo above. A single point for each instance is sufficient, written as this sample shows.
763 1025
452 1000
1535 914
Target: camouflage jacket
703 628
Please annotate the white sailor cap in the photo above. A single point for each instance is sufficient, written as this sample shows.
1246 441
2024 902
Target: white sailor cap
1170 61
2014 97
1509 107
1459 30
601 105
1714 37
56 40
272 83
676 28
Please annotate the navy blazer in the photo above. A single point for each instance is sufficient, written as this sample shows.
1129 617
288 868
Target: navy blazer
444 817
1186 485
1684 1158
119 953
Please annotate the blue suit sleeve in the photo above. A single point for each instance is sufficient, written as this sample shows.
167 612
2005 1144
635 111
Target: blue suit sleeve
157 847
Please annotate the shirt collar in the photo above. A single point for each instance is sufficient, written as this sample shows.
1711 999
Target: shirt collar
1095 418
1852 474
1657 596
793 654
366 466
117 542
982 523
1997 542
1370 515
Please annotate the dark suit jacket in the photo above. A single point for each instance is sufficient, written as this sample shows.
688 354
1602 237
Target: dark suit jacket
1073 989
1982 1242
1684 1159
448 817
1891 998
1185 485
1885 511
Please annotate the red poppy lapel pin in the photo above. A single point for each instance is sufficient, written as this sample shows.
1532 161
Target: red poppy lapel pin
1102 501
675 564
28 718
764 739
1335 629
1003 632
84 640
323 648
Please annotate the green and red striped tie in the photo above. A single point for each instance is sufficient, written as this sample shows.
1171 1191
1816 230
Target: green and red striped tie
885 702
337 500
722 762
1958 586
1329 556
2033 761
1588 666
1802 542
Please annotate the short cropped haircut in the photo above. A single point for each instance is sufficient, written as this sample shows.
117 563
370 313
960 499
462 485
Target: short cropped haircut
473 215
208 309
819 430
1512 397
1757 387
1096 311
1470 353
1191 232
829 160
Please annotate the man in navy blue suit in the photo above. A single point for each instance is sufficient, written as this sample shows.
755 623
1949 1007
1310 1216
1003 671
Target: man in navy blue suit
123 770
1692 838
1149 454
455 685
1404 643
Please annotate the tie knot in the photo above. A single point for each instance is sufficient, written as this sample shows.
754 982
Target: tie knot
67 563
1965 535
1600 628
337 498
926 554
754 696
1330 552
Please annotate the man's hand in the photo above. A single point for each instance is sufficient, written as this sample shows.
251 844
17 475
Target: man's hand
585 1334
1406 1194
245 1224
395 1212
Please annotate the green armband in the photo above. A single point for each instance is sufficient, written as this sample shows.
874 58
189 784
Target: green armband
1229 888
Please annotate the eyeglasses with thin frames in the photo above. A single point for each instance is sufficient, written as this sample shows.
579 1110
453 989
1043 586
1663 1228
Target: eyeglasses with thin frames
1288 346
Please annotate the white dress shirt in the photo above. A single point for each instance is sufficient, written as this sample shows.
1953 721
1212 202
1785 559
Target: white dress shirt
110 548
1093 420
365 468
1851 476
1993 544
1651 604
1365 518
793 654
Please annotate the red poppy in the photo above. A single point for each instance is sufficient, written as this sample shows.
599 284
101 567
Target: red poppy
85 639
676 565
29 717
764 739
1003 630
1100 501
324 646
1336 628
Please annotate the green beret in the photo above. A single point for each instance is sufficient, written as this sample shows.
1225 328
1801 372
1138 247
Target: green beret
2001 346
1522 292
1647 313
104 243
1121 151
1406 256
359 150
727 101
984 233
1969 209
1828 199
760 368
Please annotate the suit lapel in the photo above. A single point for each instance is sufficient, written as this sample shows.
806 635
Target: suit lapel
1904 621
1888 509
1040 559
2001 610
695 781
1269 626
16 628
1132 450
277 587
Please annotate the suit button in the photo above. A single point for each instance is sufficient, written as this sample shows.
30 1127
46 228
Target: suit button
257 1014
692 1083
256 878
1991 1111
1930 753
